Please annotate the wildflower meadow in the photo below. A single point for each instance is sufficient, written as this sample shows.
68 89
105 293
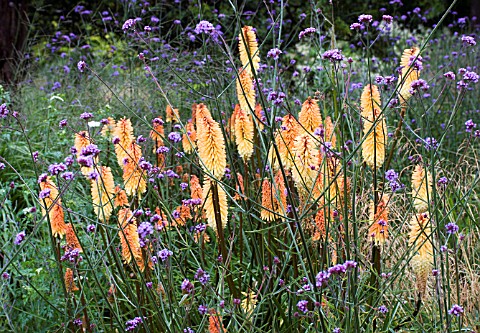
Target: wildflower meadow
228 166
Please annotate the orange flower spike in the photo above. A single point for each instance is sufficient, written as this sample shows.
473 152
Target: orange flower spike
330 135
133 175
310 117
69 281
215 324
378 230
267 211
103 192
239 187
195 188
72 240
189 145
259 114
121 199
248 47
108 128
244 134
81 141
245 91
210 142
53 205
288 133
304 172
280 198
124 133
158 132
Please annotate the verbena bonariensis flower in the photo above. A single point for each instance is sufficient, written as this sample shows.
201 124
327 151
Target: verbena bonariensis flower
456 310
243 129
248 47
274 53
204 27
19 238
374 127
421 188
334 55
103 192
307 32
128 24
420 242
365 18
133 323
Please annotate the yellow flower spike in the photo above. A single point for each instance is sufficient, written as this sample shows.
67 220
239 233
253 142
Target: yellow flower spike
421 188
374 128
408 73
419 238
245 91
103 192
244 134
248 47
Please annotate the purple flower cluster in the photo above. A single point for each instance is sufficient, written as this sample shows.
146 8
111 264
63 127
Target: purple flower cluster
451 228
382 309
470 126
55 169
468 41
144 230
468 77
430 143
187 286
276 97
133 323
322 277
19 238
81 65
71 255
175 137
204 27
165 254
392 178
130 23
202 276
334 55
303 306
202 309
449 75
307 32
365 18
3 111
417 85
274 53
456 310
